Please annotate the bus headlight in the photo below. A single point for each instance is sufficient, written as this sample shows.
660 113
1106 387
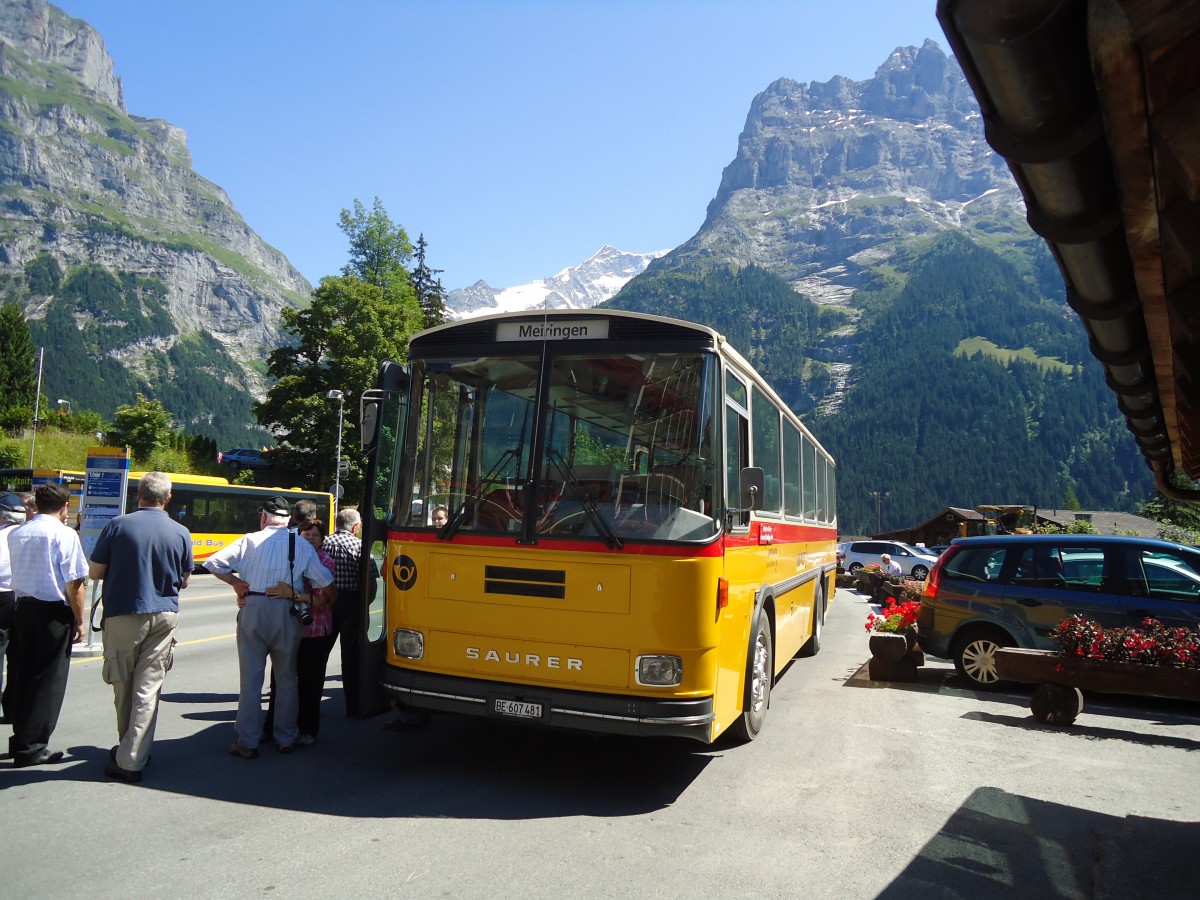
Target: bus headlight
409 644
659 671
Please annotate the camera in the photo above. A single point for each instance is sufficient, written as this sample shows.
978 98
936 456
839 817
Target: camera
302 612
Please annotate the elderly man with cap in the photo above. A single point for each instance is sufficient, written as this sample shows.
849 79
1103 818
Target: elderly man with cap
270 566
12 514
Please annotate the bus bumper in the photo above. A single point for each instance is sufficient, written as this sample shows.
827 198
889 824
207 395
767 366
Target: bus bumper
552 707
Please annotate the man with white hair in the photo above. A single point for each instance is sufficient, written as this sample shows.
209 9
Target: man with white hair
345 546
145 559
267 625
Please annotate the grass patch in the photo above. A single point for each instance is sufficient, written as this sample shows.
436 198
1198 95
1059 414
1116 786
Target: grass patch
968 347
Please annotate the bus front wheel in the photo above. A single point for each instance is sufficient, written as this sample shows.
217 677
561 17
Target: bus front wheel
760 672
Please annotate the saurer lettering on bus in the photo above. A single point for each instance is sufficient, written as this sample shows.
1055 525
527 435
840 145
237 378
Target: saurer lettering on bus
529 659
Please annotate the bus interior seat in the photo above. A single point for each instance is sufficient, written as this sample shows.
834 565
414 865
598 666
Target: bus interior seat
498 510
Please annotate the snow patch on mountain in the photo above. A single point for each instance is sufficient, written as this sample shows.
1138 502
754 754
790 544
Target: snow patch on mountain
593 281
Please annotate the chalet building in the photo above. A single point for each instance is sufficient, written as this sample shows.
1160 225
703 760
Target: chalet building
953 521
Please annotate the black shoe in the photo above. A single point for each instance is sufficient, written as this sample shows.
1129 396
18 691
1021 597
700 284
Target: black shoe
236 749
282 748
129 776
44 758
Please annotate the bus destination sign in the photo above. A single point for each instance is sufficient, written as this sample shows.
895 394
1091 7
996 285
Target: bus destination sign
551 330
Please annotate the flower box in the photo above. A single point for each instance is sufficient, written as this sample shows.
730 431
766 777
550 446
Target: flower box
895 656
869 581
1064 676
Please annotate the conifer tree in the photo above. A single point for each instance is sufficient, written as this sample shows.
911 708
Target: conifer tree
18 375
430 293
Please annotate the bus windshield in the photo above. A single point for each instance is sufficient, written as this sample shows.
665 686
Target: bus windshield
609 447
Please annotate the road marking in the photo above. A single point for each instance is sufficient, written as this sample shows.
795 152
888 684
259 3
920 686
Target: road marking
220 637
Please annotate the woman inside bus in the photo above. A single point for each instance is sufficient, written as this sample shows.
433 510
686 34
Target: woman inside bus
313 656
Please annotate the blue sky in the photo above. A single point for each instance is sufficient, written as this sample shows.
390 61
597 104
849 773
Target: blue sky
519 136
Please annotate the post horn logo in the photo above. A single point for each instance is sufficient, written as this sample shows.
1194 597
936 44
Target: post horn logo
404 572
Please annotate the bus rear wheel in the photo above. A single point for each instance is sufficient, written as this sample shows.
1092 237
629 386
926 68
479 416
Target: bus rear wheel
760 672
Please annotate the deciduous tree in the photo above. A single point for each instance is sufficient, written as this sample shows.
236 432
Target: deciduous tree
144 427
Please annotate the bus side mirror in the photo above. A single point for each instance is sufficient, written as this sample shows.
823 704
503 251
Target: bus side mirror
750 488
370 420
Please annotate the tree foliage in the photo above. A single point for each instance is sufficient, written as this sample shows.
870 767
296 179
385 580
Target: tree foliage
380 250
18 375
144 427
431 296
354 322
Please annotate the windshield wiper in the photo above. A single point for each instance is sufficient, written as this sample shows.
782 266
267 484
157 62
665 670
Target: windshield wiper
585 499
472 501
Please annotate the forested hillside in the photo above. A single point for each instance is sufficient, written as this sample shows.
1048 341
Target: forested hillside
775 328
87 317
928 416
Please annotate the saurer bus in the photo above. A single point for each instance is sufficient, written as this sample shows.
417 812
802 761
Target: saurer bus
640 534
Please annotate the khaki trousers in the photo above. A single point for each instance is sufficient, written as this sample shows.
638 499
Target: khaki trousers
136 648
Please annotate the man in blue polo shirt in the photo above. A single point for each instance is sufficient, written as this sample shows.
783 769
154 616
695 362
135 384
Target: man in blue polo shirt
145 559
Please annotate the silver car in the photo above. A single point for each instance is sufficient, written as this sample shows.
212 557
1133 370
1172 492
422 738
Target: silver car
915 562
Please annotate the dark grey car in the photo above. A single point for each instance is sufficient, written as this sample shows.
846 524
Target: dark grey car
243 458
1012 590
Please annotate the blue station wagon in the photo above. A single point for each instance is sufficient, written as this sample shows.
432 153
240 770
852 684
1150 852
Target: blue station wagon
1012 590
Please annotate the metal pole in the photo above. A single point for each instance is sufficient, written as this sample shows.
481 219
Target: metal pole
37 399
337 478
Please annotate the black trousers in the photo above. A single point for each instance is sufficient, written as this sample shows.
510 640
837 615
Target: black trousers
8 649
347 624
44 631
311 661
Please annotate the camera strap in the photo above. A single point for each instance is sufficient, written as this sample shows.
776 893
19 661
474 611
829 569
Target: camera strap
292 560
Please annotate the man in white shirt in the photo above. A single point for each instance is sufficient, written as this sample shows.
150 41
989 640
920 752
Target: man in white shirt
889 566
48 572
266 624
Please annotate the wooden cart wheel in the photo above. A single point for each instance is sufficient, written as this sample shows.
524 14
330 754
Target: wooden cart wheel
1055 704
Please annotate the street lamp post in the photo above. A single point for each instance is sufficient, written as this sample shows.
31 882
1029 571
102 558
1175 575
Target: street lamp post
879 496
337 478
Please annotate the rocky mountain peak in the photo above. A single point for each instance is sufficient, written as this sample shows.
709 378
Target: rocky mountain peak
829 175
51 35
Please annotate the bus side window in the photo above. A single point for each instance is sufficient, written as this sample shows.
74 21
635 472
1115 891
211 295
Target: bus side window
737 455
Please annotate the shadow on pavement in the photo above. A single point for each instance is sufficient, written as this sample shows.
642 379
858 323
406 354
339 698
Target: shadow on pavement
999 844
454 768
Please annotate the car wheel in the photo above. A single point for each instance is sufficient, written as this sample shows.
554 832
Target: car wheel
813 645
920 573
974 657
760 671
235 467
854 567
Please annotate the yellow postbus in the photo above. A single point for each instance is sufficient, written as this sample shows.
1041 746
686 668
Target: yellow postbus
640 533
213 510
218 513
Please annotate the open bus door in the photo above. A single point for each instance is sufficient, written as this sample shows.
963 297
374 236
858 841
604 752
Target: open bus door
384 418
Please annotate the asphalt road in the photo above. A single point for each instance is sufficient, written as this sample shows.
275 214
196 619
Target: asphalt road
853 790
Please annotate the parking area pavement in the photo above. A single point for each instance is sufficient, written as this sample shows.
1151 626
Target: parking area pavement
854 789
